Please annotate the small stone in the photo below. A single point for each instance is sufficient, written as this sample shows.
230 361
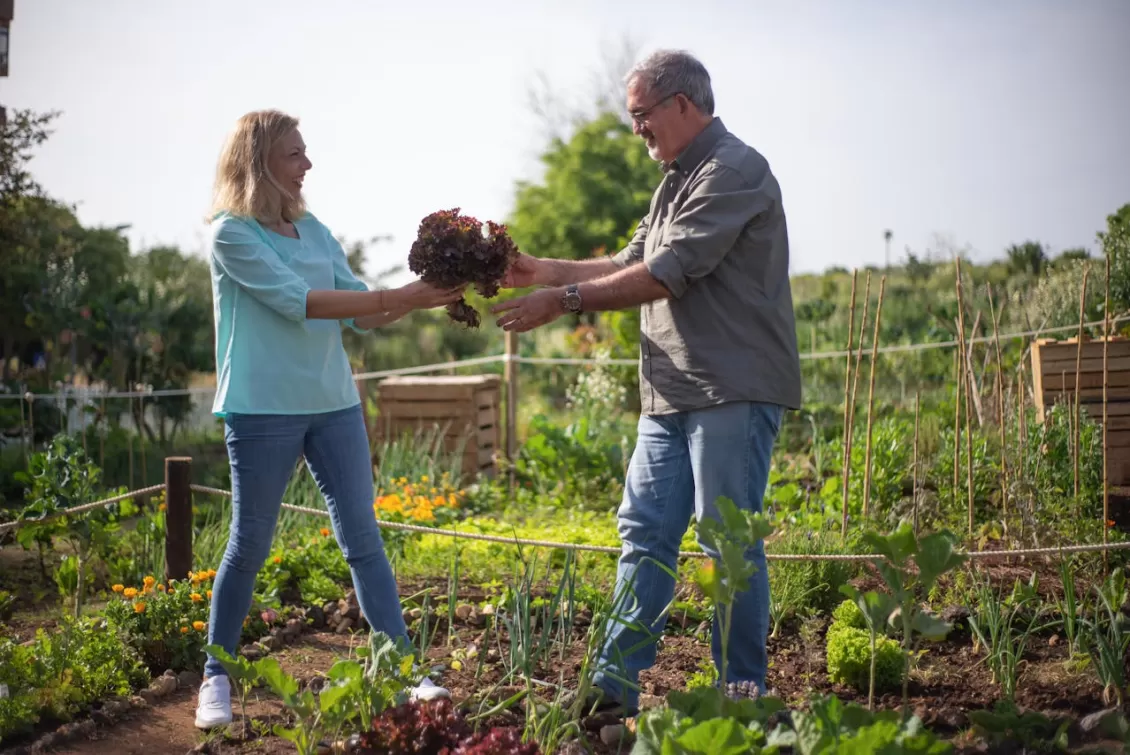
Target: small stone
115 707
138 701
251 652
170 673
345 626
164 685
613 734
487 610
188 679
66 731
148 697
1053 640
492 655
1096 722
86 728
317 616
330 608
955 614
407 616
463 612
292 630
271 642
415 614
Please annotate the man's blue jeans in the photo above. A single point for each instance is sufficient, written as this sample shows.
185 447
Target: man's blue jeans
681 465
264 450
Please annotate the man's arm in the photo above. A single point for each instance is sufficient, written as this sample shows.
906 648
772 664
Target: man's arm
630 287
563 272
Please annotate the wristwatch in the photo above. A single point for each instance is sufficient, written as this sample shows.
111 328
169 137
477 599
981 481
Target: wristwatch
572 299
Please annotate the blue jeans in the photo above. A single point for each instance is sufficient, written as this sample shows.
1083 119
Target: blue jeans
263 450
681 465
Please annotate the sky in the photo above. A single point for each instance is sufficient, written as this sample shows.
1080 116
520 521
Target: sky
964 123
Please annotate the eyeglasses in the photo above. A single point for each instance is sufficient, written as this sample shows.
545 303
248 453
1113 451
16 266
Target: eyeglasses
641 116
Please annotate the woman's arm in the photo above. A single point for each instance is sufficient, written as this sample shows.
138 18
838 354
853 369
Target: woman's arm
325 304
379 320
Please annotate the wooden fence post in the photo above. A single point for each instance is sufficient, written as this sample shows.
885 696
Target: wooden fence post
511 378
178 517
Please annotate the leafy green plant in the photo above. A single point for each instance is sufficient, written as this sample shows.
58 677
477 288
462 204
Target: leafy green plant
1070 608
1032 731
873 610
829 726
721 579
909 565
1110 637
992 626
241 672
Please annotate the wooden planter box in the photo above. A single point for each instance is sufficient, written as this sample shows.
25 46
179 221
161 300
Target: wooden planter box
464 409
1053 380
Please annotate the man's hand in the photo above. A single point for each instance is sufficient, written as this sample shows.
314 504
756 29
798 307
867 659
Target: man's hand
524 271
530 311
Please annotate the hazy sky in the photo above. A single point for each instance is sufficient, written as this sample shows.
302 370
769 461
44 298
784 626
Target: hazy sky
988 122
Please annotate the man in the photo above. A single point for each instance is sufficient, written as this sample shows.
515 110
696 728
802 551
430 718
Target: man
709 267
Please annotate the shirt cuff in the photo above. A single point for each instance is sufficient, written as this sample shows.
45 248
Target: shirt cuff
665 267
623 258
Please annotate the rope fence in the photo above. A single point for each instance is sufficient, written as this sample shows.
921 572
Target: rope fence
178 490
576 361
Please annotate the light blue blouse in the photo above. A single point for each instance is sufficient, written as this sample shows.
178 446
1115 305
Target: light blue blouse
270 359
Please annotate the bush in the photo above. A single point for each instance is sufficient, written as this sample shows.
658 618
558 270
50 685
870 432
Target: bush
847 614
849 659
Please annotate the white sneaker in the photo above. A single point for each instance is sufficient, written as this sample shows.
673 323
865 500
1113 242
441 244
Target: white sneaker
428 691
213 706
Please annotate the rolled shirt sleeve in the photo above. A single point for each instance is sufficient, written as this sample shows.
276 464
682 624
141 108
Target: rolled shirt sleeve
633 252
256 268
719 207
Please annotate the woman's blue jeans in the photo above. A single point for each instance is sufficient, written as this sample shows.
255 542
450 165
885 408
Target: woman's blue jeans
682 464
263 450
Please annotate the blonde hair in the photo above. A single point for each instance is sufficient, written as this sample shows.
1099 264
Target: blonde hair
244 186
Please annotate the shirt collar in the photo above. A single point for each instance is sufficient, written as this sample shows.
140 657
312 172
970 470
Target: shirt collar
695 152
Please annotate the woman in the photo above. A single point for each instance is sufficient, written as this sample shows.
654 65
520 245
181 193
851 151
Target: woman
281 285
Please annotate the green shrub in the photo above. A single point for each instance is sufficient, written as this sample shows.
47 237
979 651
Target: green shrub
849 659
847 614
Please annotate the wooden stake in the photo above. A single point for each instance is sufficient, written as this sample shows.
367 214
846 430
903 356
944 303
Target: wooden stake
845 459
968 387
510 376
1078 365
855 392
914 466
1106 381
178 517
959 379
871 399
1000 406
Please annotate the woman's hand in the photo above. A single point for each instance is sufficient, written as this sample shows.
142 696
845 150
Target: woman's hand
420 295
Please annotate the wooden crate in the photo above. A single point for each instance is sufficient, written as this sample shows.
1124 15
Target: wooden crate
465 409
1053 378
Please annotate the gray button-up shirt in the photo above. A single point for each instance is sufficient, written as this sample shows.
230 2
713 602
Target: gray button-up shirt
716 238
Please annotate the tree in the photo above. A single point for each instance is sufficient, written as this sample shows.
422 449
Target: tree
1028 257
596 187
1115 242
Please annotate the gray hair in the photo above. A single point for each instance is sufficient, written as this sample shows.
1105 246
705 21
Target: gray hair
668 72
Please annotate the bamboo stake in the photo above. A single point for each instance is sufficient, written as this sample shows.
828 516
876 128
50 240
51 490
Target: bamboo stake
968 388
1022 420
959 379
1106 380
914 468
1078 365
846 460
22 437
871 399
855 392
102 433
1000 406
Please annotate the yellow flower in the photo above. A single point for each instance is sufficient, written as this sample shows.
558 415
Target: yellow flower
117 588
184 630
278 559
196 597
162 507
149 581
139 607
457 665
198 626
160 588
130 592
208 594
424 478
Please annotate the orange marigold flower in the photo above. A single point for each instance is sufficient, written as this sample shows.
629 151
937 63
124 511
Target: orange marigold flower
184 630
208 594
149 581
198 626
118 588
130 592
196 597
277 559
139 607
160 588
325 531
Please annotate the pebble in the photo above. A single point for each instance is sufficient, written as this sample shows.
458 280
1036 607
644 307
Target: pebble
271 642
1096 722
613 734
164 685
138 701
416 613
345 626
148 697
1053 640
251 653
317 616
115 707
463 612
